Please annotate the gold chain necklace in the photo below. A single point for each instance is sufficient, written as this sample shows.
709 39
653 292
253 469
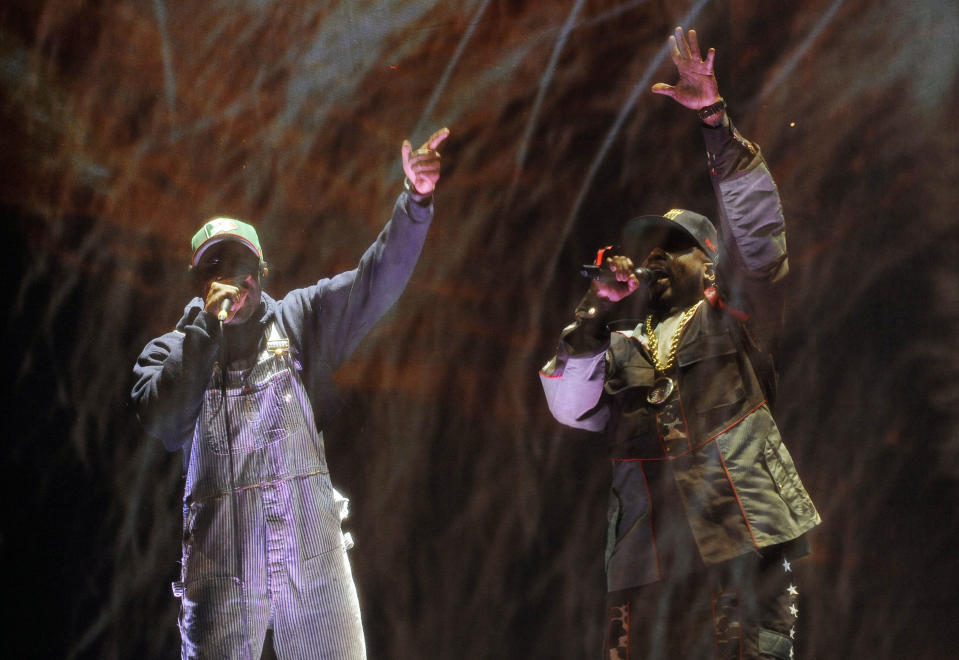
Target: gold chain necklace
663 367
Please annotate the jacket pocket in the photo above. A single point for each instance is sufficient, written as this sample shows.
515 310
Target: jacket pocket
711 377
243 408
774 644
781 468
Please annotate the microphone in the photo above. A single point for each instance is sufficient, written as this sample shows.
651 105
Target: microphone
224 309
593 272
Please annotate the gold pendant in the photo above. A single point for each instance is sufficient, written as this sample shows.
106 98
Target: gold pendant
660 391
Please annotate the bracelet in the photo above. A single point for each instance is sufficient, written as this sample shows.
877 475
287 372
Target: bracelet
710 110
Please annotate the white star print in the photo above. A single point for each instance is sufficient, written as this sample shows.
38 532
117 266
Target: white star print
787 566
794 610
791 652
793 591
792 633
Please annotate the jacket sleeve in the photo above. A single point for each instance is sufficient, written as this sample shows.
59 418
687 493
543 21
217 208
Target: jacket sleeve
573 378
751 229
751 224
328 319
171 375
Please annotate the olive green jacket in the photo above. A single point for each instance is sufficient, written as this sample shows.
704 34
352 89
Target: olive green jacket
706 470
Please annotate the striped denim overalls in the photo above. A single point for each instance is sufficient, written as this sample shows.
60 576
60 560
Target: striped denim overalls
277 520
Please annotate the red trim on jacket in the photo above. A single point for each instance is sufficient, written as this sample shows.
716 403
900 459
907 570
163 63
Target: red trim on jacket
700 445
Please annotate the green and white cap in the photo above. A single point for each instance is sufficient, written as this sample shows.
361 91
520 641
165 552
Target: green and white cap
217 230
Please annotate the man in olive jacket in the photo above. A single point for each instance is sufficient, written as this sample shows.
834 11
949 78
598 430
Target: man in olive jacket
706 507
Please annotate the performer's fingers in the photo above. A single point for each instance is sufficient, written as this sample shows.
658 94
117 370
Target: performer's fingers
682 44
663 88
675 54
437 138
694 45
426 169
420 157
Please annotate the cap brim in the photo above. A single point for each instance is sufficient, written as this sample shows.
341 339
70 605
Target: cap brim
220 238
635 228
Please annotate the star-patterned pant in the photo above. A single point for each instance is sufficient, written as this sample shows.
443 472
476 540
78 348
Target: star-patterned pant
744 608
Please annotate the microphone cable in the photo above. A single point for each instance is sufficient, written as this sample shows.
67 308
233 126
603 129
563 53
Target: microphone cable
234 503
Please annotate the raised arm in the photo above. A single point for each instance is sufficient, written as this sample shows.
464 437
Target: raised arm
329 319
750 218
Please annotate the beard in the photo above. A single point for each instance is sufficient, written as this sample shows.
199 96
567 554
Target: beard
673 293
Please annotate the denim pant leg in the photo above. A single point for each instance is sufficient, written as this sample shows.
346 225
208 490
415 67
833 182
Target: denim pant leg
220 616
213 623
318 616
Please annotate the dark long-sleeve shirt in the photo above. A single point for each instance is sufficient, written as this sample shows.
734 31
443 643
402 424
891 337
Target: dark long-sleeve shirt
324 323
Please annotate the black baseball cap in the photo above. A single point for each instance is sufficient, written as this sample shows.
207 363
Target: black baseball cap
638 232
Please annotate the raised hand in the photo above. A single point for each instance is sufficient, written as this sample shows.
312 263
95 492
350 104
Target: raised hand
697 86
422 166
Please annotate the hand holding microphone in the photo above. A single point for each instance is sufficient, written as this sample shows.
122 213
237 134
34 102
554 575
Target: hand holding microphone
617 278
592 272
220 298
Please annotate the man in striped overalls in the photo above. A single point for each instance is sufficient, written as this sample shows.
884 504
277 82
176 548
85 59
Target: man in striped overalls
244 386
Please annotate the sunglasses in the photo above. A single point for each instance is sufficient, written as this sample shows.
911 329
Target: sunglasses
226 266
